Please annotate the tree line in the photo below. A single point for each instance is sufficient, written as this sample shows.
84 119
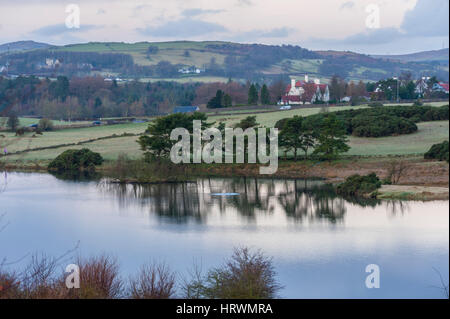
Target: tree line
90 97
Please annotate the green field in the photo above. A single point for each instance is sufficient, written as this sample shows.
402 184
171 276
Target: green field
189 79
270 118
429 133
168 51
26 121
59 137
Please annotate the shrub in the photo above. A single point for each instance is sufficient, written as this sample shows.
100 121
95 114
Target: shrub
417 103
99 279
382 125
438 151
9 286
45 125
357 185
375 104
153 282
247 275
384 120
75 160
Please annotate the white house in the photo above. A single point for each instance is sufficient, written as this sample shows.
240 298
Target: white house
306 92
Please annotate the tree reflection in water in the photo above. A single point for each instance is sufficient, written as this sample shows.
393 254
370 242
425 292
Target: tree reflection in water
300 200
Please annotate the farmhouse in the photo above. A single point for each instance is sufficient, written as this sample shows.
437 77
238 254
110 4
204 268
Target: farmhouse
306 92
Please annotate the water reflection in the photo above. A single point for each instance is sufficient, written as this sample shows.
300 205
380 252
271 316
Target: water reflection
77 176
299 200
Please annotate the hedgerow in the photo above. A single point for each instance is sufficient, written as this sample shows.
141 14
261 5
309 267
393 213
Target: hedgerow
438 151
385 120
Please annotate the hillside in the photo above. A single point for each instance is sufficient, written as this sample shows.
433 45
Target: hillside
434 55
206 61
22 46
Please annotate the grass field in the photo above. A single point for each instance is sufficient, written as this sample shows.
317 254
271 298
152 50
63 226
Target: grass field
429 133
26 121
270 118
68 136
189 79
418 143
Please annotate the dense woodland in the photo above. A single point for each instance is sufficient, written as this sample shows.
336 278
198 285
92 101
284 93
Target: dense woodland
92 97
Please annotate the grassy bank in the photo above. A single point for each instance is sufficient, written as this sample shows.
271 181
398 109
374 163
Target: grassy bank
404 192
429 133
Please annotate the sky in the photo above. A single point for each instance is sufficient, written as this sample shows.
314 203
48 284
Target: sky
365 26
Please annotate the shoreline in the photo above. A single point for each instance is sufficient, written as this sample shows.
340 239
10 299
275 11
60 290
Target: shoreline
422 180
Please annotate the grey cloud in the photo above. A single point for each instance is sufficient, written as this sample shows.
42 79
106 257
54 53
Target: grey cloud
428 18
245 3
197 11
254 35
274 33
59 29
374 36
184 27
347 5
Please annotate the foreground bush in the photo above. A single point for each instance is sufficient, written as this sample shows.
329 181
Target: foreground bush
99 279
357 185
438 151
75 160
155 281
247 275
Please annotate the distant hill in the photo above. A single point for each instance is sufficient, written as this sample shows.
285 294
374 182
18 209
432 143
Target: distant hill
210 61
22 46
435 55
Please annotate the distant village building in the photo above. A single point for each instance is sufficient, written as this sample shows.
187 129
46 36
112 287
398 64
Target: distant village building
422 86
190 70
185 109
441 87
52 63
306 92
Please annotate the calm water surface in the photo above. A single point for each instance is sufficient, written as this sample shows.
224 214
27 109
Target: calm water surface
320 242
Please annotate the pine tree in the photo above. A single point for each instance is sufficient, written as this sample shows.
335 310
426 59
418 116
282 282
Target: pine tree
13 122
252 95
265 95
332 138
227 101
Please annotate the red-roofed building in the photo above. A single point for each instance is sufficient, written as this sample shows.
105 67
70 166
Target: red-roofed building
306 92
441 87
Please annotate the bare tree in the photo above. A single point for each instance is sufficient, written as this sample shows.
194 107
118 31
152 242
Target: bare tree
397 169
155 281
